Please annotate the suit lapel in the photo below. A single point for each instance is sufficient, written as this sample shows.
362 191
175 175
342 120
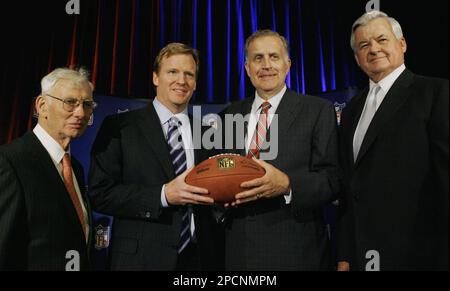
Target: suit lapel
287 111
150 125
394 99
353 117
55 183
78 170
197 151
246 108
79 174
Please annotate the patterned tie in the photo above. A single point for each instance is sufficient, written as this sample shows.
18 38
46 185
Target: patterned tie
260 132
178 156
366 118
68 182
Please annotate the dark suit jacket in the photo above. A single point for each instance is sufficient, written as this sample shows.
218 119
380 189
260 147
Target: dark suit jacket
396 194
269 234
130 164
38 223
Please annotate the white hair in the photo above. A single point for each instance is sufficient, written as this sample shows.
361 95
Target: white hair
77 77
368 17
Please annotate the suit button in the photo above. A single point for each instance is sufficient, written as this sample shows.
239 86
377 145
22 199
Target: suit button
356 198
148 214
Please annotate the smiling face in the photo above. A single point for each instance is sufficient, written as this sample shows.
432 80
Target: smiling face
267 65
59 123
377 50
176 81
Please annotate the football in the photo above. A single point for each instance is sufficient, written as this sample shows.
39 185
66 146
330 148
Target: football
222 175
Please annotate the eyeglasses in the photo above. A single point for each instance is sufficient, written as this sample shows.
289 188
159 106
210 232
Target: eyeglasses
70 104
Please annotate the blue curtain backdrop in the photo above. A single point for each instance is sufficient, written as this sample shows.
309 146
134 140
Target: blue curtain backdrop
117 40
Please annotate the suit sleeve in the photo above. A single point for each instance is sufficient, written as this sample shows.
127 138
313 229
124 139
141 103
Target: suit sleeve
107 191
438 128
320 184
13 226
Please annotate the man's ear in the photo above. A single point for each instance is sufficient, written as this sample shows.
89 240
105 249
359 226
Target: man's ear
91 85
41 106
155 79
247 69
357 61
289 63
403 44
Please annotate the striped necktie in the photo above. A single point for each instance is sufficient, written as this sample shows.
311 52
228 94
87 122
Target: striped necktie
178 157
260 134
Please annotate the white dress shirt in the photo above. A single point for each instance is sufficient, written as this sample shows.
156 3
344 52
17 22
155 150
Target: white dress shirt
384 85
57 153
256 111
254 117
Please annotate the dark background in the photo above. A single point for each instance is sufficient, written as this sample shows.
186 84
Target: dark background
117 40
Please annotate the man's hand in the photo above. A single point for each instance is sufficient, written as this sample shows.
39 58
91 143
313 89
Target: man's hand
179 193
343 267
274 183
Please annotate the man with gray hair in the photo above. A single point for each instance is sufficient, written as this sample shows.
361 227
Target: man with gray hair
277 223
44 211
394 155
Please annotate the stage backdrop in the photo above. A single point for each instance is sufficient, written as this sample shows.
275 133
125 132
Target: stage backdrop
118 40
112 105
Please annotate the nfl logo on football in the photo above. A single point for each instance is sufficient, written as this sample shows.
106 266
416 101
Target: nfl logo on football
226 163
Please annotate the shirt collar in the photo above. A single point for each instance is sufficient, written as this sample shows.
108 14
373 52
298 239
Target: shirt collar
274 101
53 148
165 114
389 80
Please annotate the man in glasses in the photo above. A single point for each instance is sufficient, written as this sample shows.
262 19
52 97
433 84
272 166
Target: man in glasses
44 213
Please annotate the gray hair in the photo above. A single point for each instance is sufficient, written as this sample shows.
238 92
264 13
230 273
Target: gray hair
263 33
77 77
372 15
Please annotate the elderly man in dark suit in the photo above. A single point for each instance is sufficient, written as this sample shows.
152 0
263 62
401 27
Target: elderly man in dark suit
394 152
139 163
277 223
45 216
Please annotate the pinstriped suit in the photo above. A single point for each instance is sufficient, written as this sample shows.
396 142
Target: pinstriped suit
38 223
269 234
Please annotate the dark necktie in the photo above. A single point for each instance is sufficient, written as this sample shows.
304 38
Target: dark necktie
178 157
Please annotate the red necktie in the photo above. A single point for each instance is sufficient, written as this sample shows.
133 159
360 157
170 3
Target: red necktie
68 182
260 132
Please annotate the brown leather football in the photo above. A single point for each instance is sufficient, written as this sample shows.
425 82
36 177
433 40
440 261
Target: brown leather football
222 175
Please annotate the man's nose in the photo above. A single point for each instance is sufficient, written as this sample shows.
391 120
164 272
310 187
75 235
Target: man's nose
80 111
181 79
374 46
267 64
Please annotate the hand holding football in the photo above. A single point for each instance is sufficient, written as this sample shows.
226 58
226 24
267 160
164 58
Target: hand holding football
222 175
